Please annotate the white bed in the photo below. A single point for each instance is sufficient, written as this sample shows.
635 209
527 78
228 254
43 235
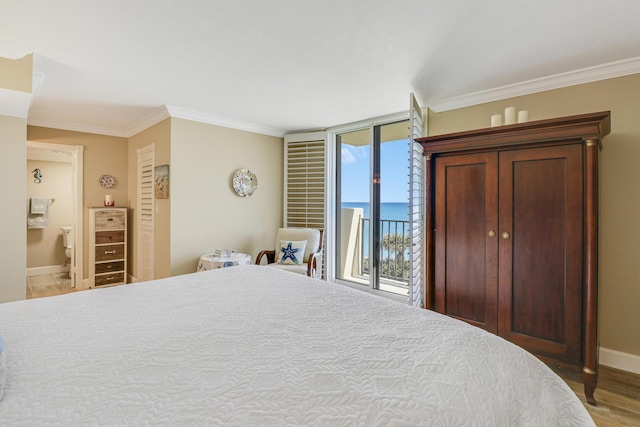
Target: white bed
254 346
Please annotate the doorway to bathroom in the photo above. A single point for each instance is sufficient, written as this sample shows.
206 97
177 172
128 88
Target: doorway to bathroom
54 237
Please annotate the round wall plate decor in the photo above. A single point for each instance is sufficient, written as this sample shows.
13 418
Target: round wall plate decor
244 182
107 181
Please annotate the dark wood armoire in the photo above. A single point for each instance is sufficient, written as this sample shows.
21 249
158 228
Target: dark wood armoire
512 234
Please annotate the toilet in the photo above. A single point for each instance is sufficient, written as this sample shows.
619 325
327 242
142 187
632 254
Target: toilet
66 240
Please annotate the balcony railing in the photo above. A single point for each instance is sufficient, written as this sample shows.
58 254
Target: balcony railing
394 250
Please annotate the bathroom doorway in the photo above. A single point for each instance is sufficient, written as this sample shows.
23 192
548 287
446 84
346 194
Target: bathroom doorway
66 162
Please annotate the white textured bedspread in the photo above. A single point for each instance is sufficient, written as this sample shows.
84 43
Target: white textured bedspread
254 346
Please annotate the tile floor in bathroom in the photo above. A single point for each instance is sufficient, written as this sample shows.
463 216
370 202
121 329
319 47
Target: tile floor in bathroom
47 285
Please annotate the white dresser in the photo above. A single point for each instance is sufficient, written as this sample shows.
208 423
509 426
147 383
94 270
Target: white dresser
107 246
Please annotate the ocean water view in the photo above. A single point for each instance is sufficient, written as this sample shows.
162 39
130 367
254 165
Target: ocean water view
394 211
394 264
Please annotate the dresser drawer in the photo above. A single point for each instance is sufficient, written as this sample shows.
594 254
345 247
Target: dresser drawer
109 279
108 246
103 237
109 252
109 267
109 220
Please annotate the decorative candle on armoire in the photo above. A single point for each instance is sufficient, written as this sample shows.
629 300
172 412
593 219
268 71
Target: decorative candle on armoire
509 115
523 116
108 200
496 120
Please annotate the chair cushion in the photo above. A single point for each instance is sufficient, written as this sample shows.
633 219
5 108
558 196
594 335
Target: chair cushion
311 235
291 252
299 269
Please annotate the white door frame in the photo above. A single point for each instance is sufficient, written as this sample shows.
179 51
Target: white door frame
77 153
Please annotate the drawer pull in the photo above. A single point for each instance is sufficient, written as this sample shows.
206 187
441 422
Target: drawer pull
110 277
110 219
110 252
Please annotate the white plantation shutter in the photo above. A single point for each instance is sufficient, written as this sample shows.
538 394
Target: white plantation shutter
145 217
416 205
304 181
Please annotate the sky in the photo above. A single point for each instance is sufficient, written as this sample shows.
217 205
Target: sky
394 172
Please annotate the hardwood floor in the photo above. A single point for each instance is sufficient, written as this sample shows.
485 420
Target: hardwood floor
617 396
618 392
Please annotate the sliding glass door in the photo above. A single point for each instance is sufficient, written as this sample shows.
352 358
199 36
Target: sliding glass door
373 237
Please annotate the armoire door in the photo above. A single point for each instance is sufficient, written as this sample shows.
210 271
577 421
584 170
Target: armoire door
540 249
466 251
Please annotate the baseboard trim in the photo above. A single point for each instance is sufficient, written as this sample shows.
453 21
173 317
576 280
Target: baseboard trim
49 269
619 360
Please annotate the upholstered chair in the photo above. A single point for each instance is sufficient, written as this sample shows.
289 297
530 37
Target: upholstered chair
298 250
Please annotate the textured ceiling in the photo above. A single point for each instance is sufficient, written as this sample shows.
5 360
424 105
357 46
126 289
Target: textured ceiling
290 65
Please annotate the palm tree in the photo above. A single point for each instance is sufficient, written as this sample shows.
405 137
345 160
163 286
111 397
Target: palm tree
395 243
396 264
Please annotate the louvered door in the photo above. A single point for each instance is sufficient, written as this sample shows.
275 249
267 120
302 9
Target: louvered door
145 213
416 205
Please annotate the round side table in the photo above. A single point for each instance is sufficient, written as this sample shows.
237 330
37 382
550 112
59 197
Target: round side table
211 262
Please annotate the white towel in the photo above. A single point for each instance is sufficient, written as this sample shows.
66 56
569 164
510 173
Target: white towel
37 220
38 206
